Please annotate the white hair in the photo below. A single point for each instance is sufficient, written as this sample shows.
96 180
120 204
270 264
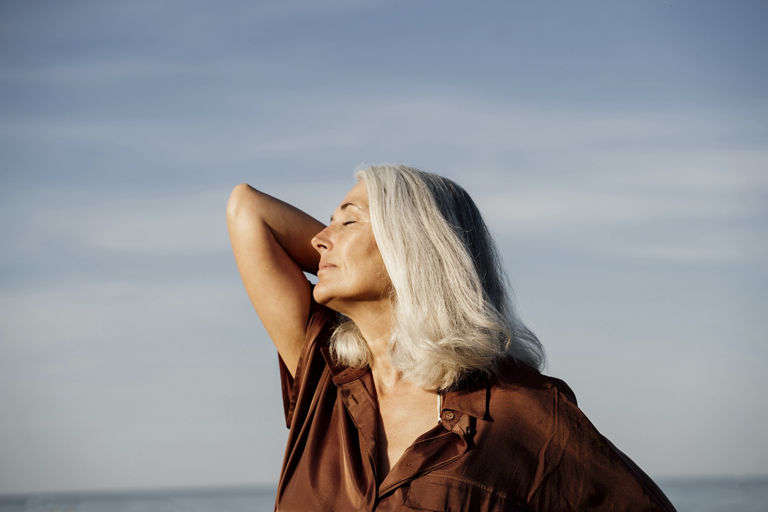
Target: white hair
452 315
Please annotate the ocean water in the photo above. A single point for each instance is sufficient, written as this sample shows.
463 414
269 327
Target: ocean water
187 500
710 495
717 495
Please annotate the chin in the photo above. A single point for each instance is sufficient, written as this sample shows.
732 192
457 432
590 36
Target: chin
329 300
320 295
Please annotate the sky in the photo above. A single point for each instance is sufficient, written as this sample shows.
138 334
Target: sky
617 150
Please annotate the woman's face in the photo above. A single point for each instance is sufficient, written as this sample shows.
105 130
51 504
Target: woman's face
351 271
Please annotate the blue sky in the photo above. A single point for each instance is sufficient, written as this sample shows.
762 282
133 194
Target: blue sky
618 151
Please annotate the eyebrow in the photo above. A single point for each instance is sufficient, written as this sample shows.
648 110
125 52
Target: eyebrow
343 206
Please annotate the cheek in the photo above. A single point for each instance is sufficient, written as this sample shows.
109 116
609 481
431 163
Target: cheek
379 270
373 258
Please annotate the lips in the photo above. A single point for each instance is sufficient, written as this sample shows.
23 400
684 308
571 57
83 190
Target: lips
325 266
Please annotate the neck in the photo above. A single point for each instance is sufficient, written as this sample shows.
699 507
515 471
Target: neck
375 324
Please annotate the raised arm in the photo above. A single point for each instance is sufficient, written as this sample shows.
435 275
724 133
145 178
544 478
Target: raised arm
271 242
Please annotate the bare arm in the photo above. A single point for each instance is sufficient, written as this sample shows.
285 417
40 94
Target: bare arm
271 243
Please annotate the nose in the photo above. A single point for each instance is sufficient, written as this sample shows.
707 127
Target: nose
320 241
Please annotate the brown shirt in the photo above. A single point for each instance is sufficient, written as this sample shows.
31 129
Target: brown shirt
519 444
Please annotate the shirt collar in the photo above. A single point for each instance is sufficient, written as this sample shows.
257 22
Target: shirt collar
473 401
339 373
473 397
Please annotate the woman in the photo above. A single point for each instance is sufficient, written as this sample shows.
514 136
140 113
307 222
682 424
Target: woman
408 382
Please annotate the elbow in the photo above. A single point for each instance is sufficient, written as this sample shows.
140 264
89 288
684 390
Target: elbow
238 200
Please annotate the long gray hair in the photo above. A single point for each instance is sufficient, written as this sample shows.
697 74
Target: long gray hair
452 313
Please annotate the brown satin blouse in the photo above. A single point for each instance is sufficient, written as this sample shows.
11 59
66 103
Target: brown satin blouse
519 444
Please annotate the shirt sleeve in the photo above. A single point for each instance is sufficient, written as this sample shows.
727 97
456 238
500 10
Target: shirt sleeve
585 471
317 325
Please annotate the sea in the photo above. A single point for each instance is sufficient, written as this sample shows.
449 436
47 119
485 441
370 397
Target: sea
709 495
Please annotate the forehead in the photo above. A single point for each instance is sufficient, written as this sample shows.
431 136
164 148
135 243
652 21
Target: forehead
357 195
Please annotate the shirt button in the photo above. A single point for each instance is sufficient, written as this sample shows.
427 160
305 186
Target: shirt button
449 415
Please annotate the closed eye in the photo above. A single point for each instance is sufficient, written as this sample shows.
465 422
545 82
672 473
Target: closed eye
347 222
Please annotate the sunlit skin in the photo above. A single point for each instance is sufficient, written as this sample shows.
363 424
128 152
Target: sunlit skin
353 280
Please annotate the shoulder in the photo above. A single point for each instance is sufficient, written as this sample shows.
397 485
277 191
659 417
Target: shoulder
523 394
568 456
522 377
517 399
535 413
513 430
